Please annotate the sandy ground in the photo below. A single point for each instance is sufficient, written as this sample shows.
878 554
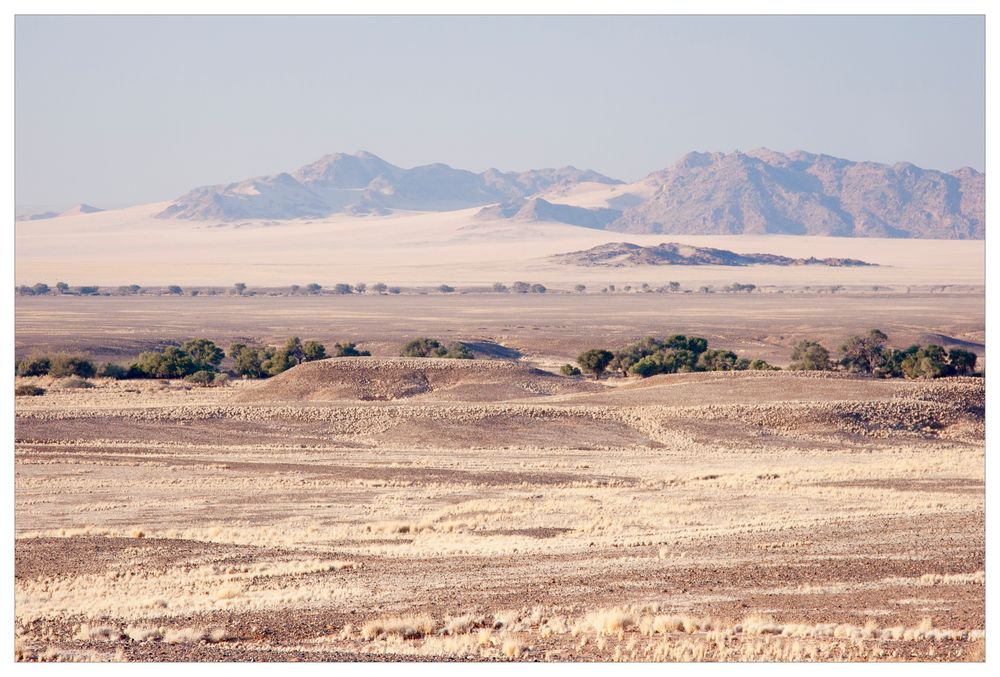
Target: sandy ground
129 246
753 516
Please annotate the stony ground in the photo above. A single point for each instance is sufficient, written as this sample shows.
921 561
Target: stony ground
754 516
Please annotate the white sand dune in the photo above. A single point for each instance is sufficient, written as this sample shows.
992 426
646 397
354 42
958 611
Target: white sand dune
419 248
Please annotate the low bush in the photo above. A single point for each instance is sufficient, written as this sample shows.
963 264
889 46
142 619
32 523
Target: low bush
112 370
36 365
66 364
570 370
75 383
26 390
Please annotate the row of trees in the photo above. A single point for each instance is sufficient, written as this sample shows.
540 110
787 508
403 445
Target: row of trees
519 287
674 354
870 354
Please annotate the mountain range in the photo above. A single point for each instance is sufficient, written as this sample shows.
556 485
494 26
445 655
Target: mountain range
758 192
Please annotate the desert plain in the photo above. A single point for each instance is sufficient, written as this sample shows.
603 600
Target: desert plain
387 508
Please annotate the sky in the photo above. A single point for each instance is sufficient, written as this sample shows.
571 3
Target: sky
114 111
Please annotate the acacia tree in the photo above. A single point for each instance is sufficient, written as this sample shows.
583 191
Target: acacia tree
865 354
810 356
595 361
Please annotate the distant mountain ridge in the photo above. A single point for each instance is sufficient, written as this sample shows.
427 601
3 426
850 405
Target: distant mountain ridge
801 193
626 254
364 183
72 211
759 192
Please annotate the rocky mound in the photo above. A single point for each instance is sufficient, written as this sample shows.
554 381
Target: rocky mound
619 254
378 378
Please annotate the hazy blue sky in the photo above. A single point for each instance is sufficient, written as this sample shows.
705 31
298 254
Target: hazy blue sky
124 110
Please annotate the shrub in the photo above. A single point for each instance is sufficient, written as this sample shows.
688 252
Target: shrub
810 356
929 361
595 361
349 350
171 362
360 287
428 347
314 288
240 287
35 365
962 362
200 378
342 288
446 289
395 290
538 288
520 287
75 382
26 390
41 288
65 364
580 288
112 370
62 287
248 360
89 291
174 289
500 288
313 350
380 287
719 360
569 370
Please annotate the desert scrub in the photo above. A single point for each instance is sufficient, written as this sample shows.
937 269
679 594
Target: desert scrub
28 390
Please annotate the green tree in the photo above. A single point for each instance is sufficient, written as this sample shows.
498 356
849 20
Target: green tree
41 289
930 361
204 354
294 349
314 288
380 287
349 350
240 287
500 288
865 354
962 362
360 287
718 360
595 361
66 364
174 289
810 356
171 362
62 287
342 288
312 351
579 289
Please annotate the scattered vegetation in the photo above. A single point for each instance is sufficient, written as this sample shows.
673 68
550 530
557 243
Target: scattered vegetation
349 350
428 347
810 356
27 390
674 354
570 370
